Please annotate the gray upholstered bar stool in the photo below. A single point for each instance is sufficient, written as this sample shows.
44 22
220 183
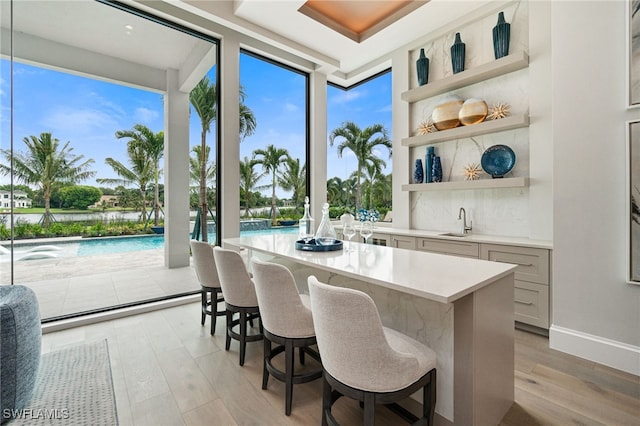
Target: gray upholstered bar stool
239 296
287 322
366 361
211 292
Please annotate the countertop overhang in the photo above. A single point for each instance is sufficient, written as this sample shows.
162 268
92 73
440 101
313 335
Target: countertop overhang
433 276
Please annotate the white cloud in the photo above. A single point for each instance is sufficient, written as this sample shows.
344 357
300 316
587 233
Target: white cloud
289 107
65 121
145 115
347 96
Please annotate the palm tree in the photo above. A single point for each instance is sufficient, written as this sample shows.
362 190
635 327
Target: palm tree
46 165
141 172
362 143
195 162
204 99
271 158
249 179
153 145
372 172
294 178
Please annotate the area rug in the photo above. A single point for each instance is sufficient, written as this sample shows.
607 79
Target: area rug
74 387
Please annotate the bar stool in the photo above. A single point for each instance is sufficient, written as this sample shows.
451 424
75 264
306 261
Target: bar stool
211 292
240 297
366 361
287 322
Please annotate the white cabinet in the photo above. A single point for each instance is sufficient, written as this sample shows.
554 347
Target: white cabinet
532 280
403 242
456 248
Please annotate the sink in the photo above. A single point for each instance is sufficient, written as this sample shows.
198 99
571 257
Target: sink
454 234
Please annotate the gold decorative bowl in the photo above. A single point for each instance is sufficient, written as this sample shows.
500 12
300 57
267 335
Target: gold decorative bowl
445 115
473 111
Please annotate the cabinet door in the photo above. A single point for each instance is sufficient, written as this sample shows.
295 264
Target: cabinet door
456 248
532 303
403 241
533 263
379 239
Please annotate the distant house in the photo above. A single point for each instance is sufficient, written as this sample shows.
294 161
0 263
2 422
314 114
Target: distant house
20 199
106 201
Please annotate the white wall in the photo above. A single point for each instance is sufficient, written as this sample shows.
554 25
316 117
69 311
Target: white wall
596 314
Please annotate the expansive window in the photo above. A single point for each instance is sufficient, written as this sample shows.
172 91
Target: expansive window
359 151
274 138
82 147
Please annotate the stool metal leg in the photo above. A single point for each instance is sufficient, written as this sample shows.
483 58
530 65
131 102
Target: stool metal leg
267 355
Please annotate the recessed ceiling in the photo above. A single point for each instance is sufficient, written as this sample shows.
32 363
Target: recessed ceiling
358 20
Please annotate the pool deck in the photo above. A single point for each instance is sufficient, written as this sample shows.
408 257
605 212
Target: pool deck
66 285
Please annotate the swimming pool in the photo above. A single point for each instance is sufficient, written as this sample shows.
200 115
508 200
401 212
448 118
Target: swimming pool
106 245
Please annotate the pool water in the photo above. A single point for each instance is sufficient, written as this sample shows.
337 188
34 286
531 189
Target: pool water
106 245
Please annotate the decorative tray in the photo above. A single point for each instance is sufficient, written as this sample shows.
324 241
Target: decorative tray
311 245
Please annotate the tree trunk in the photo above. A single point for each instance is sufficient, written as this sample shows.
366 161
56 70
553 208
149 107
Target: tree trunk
156 201
273 201
204 209
143 209
47 210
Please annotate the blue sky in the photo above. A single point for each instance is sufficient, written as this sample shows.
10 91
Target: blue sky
88 112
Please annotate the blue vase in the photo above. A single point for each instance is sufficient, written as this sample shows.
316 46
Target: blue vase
422 66
437 169
418 173
457 55
428 162
501 37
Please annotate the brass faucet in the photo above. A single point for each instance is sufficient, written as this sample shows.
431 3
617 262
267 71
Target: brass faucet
462 214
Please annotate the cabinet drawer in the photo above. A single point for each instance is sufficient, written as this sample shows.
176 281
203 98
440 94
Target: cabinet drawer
533 263
403 241
531 303
455 248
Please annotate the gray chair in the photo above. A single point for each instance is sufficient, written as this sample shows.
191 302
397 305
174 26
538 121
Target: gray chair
239 296
287 322
20 345
366 361
210 290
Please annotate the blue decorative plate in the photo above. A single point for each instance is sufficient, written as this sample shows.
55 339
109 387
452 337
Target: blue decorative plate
498 160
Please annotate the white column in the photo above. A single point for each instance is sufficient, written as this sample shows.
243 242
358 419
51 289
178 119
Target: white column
400 123
229 121
318 122
176 174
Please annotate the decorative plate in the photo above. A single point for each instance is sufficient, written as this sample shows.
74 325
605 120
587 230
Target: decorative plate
498 160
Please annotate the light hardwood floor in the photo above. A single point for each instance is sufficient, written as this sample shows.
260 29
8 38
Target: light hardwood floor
168 370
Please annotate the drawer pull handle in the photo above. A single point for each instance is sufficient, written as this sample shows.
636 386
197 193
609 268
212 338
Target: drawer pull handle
519 264
523 303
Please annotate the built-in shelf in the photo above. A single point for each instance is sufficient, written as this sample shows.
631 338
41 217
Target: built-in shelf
513 182
512 62
491 126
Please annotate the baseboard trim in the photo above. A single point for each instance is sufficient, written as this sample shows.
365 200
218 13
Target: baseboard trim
604 351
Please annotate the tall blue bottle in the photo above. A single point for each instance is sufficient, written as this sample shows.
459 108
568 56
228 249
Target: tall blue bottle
428 161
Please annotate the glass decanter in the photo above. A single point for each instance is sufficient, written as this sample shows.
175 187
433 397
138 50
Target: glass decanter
306 224
325 235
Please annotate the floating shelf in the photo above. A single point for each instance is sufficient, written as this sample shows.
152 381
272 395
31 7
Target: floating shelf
513 182
461 132
512 62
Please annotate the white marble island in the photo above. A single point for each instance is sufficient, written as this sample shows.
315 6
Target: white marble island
462 308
